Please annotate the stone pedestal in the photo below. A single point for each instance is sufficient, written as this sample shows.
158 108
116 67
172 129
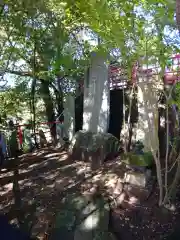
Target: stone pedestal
94 147
96 96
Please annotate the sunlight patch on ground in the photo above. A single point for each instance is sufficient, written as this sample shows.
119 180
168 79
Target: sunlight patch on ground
34 165
60 181
23 182
97 177
3 170
40 210
65 156
6 174
39 153
52 176
28 184
60 154
14 221
91 222
44 164
31 202
66 167
26 170
71 185
6 204
61 184
111 182
51 185
82 170
5 189
53 158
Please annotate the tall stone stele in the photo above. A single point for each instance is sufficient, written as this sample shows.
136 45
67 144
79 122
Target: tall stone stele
69 115
96 95
147 98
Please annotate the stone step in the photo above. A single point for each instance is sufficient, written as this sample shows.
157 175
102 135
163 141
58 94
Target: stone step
137 178
135 191
80 219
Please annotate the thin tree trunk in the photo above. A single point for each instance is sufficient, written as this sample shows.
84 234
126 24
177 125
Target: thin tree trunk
129 123
173 188
59 98
49 106
124 123
33 111
167 148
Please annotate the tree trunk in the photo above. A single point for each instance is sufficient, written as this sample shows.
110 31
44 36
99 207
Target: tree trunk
174 186
59 98
49 106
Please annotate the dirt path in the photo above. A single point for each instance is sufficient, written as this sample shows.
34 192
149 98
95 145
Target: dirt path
43 179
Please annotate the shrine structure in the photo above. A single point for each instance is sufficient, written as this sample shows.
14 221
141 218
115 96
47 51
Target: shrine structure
105 83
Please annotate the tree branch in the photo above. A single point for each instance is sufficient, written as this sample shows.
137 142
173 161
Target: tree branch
19 73
2 8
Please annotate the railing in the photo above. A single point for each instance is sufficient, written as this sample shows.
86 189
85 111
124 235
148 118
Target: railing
46 128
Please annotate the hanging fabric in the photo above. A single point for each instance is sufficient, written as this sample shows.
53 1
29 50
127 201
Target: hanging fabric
20 135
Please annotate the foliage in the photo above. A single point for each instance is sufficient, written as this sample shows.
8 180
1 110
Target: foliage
38 49
176 95
140 160
13 100
55 42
